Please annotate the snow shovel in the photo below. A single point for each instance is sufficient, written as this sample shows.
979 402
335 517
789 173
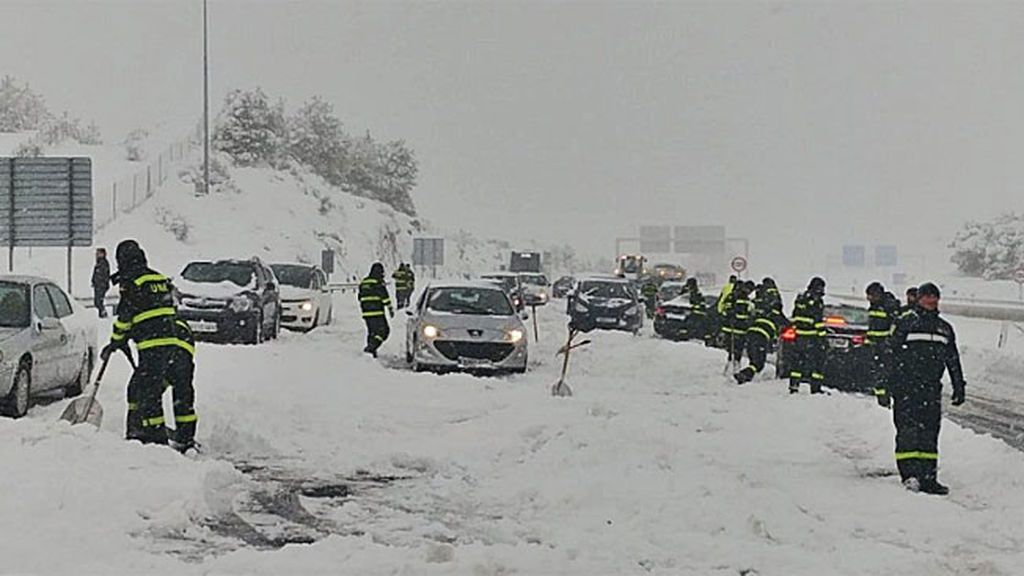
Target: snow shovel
87 409
560 388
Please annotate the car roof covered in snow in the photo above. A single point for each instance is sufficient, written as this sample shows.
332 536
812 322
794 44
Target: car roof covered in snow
464 284
608 278
500 275
24 279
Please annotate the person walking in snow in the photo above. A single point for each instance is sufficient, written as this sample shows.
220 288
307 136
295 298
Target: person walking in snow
404 284
764 330
925 347
100 281
373 299
146 314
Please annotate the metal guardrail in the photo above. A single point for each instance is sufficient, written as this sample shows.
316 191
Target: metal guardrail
987 309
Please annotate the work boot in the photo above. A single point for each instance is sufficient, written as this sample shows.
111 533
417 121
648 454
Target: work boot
912 484
932 486
816 389
794 387
744 376
187 447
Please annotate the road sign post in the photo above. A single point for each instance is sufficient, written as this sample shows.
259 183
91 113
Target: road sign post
1018 276
738 265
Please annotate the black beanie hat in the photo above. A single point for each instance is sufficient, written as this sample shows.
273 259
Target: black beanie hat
928 289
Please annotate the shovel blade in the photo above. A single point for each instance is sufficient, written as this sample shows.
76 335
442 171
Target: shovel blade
561 389
75 413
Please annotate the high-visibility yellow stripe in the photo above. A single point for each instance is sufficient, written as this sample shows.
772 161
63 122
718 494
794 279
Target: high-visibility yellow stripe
160 342
879 333
807 333
758 330
122 325
158 421
185 419
154 313
117 337
879 391
149 278
368 282
878 313
133 406
817 375
803 319
917 456
795 374
183 324
370 299
373 314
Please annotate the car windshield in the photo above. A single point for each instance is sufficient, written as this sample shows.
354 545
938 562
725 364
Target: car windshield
630 265
14 310
852 315
534 279
293 275
605 290
239 273
470 300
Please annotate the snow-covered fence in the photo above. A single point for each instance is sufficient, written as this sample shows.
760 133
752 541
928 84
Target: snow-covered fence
131 191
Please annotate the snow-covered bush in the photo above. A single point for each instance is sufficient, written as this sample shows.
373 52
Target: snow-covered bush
250 129
220 177
990 250
174 223
134 145
20 108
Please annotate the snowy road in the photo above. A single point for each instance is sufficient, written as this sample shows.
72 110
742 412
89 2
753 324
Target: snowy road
322 461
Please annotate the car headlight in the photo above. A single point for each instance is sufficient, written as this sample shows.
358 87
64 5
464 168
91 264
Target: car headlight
241 304
632 311
515 336
579 307
431 331
306 306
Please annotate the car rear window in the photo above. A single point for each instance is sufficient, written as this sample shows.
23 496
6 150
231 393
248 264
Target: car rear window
856 316
239 273
605 290
292 275
474 301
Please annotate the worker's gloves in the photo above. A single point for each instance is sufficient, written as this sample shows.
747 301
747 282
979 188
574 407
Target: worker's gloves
883 398
959 394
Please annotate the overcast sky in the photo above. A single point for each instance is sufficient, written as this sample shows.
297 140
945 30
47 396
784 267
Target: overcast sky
800 125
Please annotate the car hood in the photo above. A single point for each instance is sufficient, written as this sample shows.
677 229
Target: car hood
296 293
224 289
447 322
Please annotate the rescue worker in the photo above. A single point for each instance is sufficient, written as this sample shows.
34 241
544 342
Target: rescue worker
883 310
737 319
649 292
695 325
925 346
911 300
808 350
404 280
373 299
146 314
768 319
724 295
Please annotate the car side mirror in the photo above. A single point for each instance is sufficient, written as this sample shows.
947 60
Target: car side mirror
524 316
49 324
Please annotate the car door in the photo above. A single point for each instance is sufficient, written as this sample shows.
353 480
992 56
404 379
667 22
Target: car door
272 291
325 303
48 338
72 350
413 324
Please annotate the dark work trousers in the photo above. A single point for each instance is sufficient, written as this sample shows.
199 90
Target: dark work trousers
402 298
807 362
159 368
735 342
880 369
757 352
693 326
98 294
377 331
917 414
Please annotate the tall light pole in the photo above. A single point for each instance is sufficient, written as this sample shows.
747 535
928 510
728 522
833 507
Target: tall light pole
206 105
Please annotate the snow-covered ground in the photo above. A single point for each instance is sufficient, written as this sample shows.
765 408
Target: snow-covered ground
657 465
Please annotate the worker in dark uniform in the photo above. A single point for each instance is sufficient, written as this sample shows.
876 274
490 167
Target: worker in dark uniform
695 325
146 314
883 310
768 319
738 311
403 278
373 299
649 293
925 347
808 350
911 300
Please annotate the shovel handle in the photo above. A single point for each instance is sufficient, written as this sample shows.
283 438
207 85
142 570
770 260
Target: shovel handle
95 388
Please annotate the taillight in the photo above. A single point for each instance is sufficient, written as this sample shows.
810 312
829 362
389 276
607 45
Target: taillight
835 321
858 339
788 334
660 311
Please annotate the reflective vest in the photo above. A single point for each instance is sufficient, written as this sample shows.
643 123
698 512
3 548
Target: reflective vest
808 316
373 297
146 313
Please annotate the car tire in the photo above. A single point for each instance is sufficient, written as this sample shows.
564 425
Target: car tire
76 386
16 404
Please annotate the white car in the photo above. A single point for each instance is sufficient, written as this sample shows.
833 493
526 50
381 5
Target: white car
465 326
47 343
535 288
306 301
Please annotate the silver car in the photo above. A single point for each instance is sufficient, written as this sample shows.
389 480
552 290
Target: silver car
465 326
47 343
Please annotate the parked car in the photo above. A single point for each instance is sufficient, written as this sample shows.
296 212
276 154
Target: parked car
535 288
465 326
668 272
562 287
606 303
846 327
230 300
306 301
671 317
669 290
47 343
510 283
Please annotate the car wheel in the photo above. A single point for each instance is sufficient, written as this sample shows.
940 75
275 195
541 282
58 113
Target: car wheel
17 401
75 387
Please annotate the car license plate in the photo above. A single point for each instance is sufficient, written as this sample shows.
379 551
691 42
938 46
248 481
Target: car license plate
472 362
838 342
675 316
202 326
607 320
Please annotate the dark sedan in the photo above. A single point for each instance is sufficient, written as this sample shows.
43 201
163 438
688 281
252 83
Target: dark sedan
605 303
846 358
672 318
